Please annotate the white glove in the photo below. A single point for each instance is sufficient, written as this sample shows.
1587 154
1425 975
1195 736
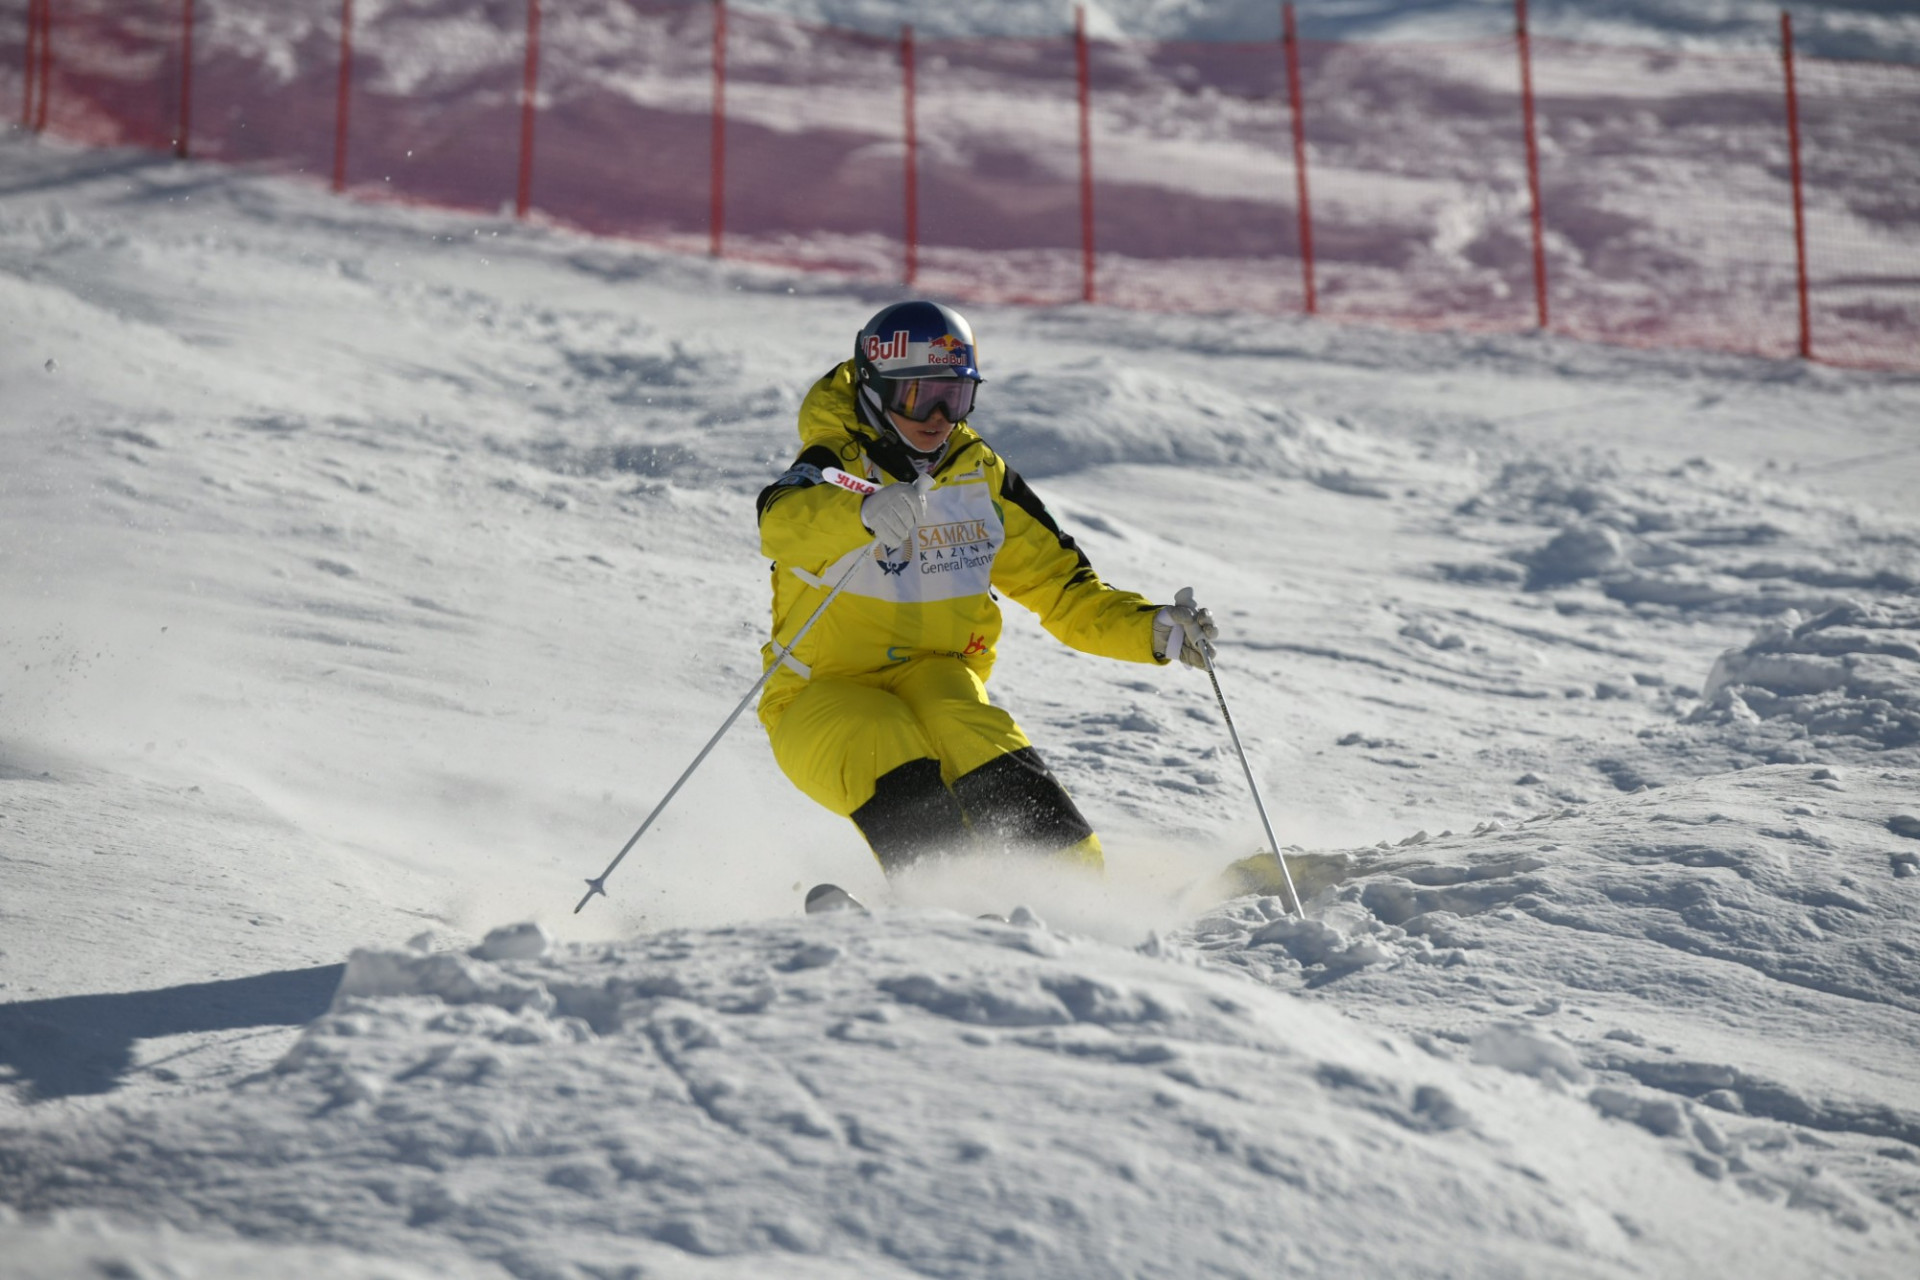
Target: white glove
1194 625
893 511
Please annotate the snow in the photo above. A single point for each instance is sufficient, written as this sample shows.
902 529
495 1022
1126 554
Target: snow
369 572
1842 29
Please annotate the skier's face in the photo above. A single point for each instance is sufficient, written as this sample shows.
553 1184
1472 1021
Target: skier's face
925 436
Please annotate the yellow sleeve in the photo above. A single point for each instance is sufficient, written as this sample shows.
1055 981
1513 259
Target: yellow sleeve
827 410
804 520
1042 569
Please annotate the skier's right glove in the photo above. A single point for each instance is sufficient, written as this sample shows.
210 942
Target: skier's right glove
893 511
1194 625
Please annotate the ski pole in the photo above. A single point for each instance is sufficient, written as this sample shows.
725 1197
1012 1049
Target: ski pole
598 884
1185 597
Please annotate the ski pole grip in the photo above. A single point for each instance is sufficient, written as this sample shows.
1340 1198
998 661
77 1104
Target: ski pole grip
1183 599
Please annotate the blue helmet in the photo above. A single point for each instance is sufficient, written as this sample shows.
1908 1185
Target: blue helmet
918 357
911 340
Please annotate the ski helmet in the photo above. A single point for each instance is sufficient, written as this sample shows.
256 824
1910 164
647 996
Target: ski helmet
916 356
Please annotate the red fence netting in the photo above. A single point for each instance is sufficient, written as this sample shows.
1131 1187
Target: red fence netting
264 84
109 74
1860 150
1420 206
16 55
1193 177
999 169
1665 179
1666 197
625 126
436 102
815 147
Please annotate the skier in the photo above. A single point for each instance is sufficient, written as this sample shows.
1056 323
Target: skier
880 713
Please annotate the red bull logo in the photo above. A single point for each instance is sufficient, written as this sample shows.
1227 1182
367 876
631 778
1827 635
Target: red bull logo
894 348
901 349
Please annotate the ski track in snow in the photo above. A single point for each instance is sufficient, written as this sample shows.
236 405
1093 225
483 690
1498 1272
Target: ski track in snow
368 572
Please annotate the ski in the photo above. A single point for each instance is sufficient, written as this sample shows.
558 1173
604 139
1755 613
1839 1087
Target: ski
831 897
824 898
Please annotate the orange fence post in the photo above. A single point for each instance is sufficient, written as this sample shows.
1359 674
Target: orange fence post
717 213
1799 202
1291 39
1084 71
186 79
344 97
1533 162
912 230
529 94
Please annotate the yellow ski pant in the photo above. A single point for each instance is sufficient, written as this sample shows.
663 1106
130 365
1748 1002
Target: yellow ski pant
919 759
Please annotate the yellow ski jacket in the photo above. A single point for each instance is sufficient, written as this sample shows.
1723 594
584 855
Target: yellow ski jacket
985 531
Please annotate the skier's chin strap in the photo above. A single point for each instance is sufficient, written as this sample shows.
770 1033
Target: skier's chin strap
898 458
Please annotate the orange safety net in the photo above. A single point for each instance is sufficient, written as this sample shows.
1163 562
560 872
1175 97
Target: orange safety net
1860 152
1666 197
1157 174
113 77
1419 186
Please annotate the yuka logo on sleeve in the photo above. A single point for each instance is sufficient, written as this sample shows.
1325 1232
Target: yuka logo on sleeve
884 349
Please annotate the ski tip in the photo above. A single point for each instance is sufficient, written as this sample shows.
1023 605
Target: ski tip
831 897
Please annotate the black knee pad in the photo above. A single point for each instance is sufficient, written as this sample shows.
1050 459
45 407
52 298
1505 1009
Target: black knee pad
911 815
1015 801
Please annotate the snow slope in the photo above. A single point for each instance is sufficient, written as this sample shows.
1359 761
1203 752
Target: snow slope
368 574
1827 28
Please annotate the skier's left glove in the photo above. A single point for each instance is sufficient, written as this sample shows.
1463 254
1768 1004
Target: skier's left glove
1194 626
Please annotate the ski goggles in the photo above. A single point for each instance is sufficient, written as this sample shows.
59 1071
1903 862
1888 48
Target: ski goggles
915 399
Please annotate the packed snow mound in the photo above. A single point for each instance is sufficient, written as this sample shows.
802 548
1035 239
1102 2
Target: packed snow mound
1851 673
662 408
892 1095
1833 673
1102 411
91 1244
1693 538
1655 954
1782 869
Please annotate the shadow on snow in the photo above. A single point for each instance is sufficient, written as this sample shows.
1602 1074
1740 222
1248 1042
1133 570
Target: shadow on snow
78 1045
